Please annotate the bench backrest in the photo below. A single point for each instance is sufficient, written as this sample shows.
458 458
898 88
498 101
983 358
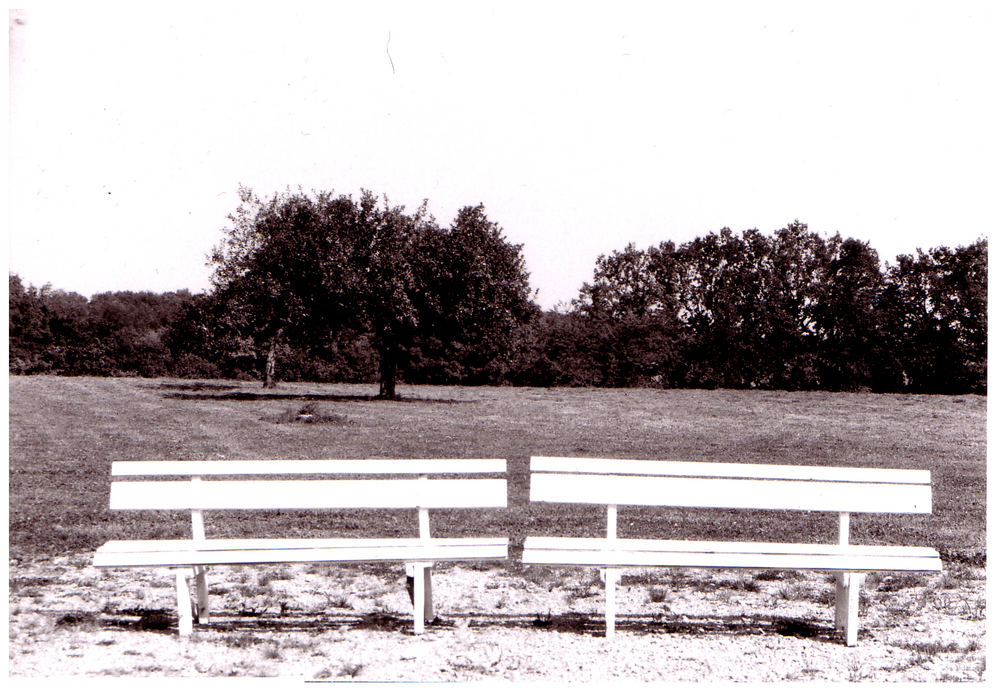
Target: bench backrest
729 485
309 485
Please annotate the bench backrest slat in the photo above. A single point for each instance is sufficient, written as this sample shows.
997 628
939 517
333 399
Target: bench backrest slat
726 485
728 469
308 494
267 467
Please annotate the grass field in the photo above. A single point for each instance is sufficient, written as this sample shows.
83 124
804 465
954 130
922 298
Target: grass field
64 432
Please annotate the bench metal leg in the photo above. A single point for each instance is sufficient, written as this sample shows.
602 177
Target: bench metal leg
854 581
610 576
185 622
201 589
411 568
423 607
848 604
840 608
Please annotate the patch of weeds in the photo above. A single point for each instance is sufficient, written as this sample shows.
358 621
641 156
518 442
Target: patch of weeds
248 591
309 413
537 574
931 649
17 584
739 584
480 661
967 572
980 667
793 592
829 598
350 669
658 594
339 601
273 652
385 570
947 581
644 578
899 614
973 558
581 592
243 640
855 671
479 566
770 575
283 573
975 611
679 579
894 583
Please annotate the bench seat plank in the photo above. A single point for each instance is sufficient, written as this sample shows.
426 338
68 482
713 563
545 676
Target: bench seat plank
623 553
264 467
183 552
735 470
702 546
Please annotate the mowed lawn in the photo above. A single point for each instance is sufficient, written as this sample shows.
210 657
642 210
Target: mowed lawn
64 432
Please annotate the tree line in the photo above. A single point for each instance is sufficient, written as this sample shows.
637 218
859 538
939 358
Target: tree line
330 288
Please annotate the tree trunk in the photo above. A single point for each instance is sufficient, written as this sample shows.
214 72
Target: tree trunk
269 367
387 376
272 359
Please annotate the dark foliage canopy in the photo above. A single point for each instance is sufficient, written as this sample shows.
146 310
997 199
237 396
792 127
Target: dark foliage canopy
332 288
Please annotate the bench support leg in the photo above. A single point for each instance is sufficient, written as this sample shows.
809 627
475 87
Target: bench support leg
840 608
419 587
185 622
848 604
610 576
201 589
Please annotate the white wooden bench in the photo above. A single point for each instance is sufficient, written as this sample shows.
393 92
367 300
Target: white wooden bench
839 490
316 485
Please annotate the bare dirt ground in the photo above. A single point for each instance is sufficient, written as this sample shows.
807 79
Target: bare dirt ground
504 623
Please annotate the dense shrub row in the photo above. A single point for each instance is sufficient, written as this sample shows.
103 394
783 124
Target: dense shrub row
788 310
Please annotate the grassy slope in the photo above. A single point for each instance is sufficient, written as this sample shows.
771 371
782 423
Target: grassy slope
65 431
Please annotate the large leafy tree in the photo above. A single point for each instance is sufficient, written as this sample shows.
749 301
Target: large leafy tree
312 269
270 272
631 313
935 307
852 342
472 296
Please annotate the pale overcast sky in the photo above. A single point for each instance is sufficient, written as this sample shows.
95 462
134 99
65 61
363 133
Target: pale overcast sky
580 126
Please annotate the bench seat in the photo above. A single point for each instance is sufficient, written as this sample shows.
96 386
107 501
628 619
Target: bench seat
248 486
184 552
837 491
635 553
